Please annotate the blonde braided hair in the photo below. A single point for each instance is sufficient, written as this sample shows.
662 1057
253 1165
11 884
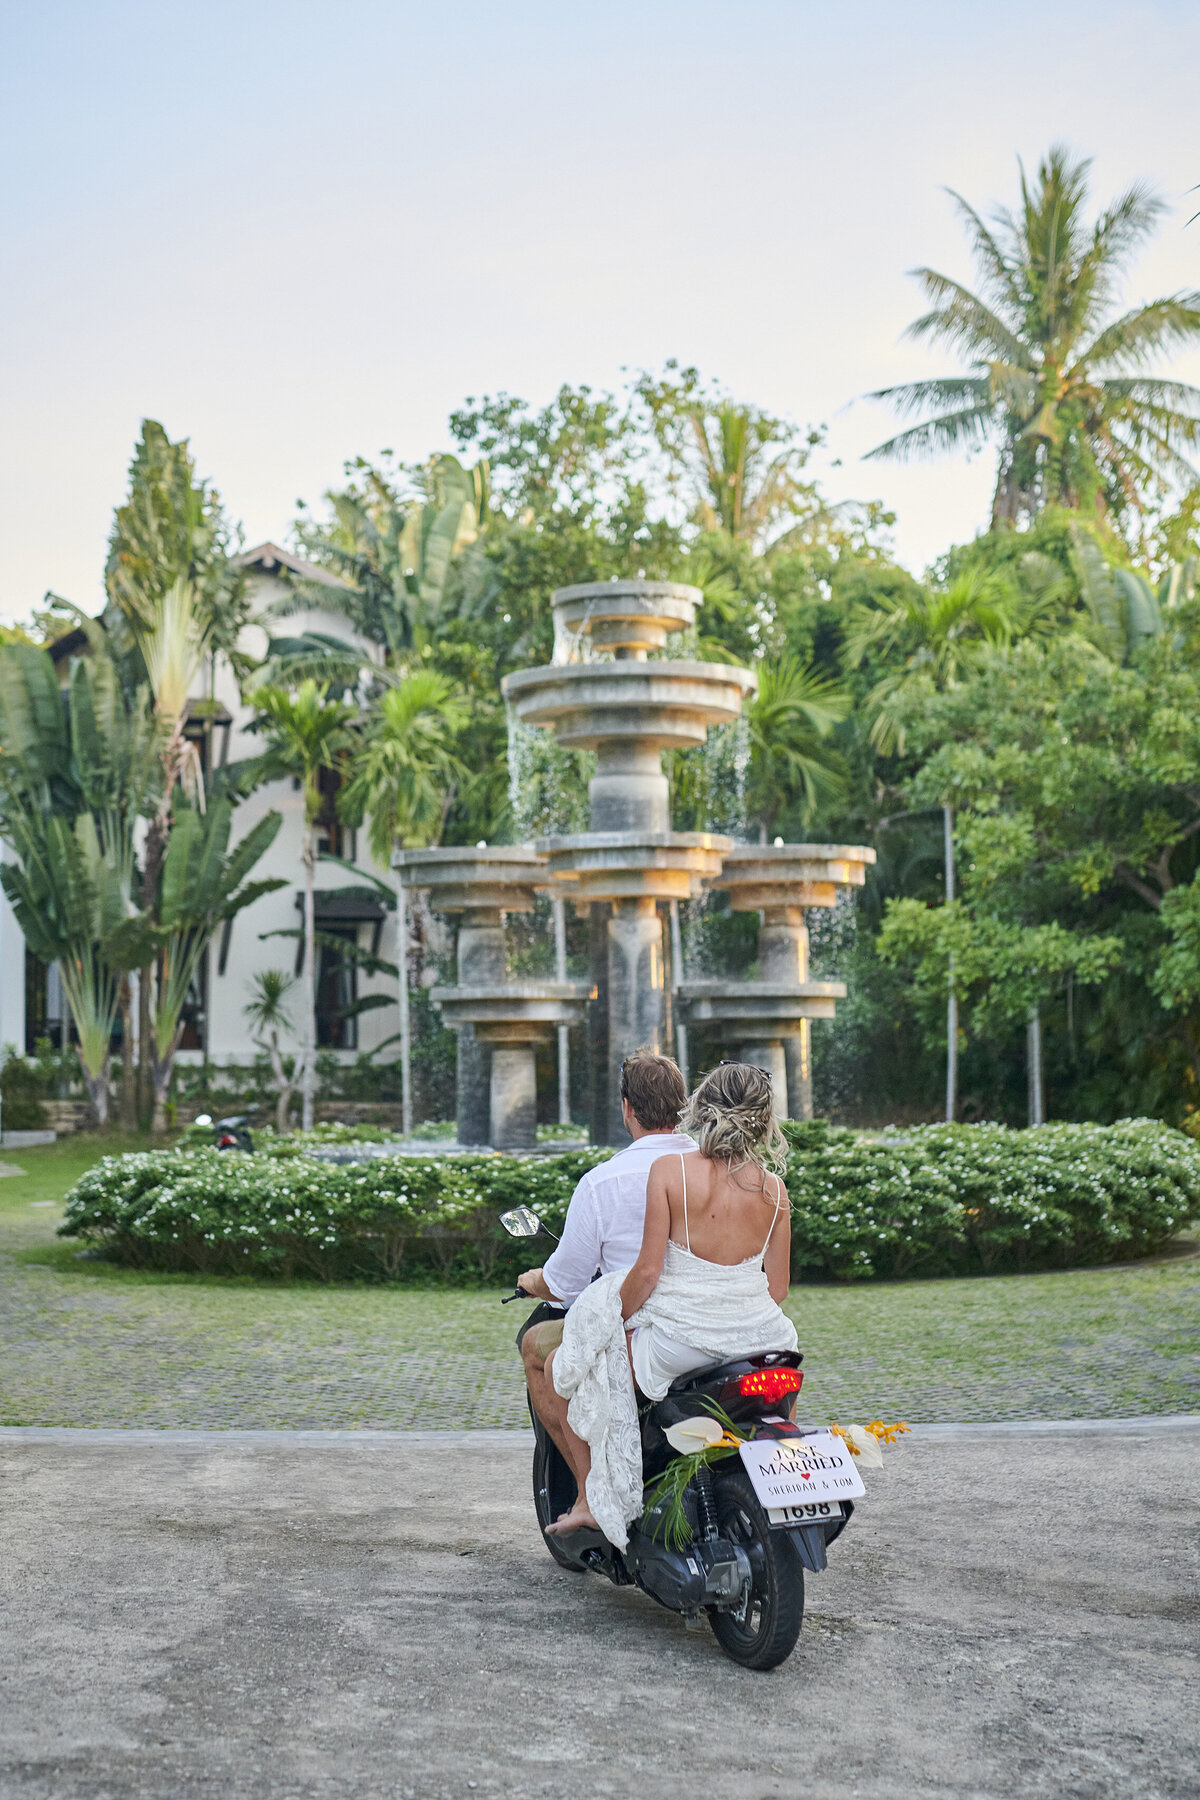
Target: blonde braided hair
731 1117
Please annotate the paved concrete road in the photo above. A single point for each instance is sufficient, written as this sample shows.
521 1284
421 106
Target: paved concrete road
249 1620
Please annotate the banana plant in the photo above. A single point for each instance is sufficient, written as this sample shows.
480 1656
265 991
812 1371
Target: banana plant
73 781
70 900
203 884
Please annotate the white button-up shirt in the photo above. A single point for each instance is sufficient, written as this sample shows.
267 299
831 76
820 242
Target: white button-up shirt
607 1215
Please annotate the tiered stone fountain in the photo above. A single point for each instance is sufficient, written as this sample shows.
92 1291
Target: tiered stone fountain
770 1019
629 710
499 1022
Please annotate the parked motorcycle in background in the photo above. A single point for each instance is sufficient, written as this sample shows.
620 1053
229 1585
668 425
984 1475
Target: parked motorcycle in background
752 1523
228 1134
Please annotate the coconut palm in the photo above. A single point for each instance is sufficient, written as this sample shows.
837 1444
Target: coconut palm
789 722
306 732
1055 376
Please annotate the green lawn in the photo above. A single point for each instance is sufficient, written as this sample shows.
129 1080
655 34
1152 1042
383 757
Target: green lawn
86 1343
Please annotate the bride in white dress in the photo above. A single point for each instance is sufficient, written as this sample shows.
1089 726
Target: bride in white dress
707 1285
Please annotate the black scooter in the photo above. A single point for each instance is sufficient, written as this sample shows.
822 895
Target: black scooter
743 1567
229 1134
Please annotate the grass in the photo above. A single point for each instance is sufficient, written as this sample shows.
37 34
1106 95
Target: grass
89 1343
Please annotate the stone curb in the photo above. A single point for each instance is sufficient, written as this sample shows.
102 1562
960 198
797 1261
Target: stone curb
70 1434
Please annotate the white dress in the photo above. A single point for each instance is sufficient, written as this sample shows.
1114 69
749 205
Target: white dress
707 1312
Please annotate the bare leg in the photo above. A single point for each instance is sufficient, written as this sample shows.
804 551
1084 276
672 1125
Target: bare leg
578 1455
541 1391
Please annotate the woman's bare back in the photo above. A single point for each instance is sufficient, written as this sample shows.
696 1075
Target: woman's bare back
729 1212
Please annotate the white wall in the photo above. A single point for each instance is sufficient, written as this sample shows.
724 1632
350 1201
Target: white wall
229 1038
12 978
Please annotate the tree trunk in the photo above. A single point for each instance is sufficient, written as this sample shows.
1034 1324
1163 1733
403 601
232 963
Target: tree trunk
145 1066
309 984
128 1105
97 1087
152 861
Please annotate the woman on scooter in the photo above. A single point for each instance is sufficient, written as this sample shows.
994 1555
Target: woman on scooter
707 1285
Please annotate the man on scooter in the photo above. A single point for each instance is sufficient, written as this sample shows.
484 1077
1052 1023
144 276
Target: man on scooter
607 1214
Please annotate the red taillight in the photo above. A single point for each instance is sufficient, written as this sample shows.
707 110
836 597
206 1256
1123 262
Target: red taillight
770 1384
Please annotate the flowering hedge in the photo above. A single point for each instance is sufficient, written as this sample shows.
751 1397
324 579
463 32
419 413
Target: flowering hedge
970 1199
944 1199
220 1212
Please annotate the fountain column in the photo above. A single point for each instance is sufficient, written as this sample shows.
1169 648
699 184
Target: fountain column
481 958
629 709
770 1019
499 1022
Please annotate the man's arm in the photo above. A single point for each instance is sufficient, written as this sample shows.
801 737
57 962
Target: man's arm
570 1268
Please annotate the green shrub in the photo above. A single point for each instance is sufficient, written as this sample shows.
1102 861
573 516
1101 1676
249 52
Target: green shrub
973 1199
942 1199
279 1212
23 1087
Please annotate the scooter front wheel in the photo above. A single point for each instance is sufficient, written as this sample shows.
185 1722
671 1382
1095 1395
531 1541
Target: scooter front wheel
764 1633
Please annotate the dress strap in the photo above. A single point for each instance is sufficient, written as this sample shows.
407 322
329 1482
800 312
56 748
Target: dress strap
687 1238
774 1216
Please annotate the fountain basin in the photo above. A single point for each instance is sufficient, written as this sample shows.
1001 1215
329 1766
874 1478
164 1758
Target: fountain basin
762 877
630 865
511 1019
760 1004
661 705
486 878
634 616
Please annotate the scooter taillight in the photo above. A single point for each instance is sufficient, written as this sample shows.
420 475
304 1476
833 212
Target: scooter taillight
226 1141
770 1384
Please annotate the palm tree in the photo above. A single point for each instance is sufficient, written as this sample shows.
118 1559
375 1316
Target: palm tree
169 580
937 635
1055 376
306 732
268 1015
403 778
403 774
789 722
743 467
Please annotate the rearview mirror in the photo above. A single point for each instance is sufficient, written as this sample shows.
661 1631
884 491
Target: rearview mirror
522 1221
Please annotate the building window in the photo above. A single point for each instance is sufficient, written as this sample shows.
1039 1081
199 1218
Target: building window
333 838
337 987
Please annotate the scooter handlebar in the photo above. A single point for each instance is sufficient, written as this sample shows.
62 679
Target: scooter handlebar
519 1295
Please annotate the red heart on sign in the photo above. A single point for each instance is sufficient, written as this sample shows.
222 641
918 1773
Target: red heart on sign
805 1475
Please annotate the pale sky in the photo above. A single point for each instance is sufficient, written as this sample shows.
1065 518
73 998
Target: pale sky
300 232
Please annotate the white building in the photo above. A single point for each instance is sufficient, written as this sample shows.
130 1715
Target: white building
31 1003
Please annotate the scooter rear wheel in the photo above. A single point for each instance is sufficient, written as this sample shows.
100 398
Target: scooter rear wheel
766 1632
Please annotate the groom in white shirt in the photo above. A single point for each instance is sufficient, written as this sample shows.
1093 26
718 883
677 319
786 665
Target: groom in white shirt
607 1214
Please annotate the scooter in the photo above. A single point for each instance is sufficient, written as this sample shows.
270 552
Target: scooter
755 1521
229 1134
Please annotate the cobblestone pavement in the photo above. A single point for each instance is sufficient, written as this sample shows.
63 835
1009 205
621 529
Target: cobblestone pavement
88 1345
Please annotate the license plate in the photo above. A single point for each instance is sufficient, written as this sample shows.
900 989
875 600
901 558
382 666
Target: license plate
804 1515
790 1472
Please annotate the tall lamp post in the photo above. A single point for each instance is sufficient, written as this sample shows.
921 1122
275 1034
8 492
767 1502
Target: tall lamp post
952 997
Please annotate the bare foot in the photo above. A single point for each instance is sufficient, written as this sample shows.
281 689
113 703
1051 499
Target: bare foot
578 1519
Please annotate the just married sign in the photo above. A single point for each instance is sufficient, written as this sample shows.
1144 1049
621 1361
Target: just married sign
794 1471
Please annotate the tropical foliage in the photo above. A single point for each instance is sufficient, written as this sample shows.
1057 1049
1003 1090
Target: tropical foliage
1056 375
947 1199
